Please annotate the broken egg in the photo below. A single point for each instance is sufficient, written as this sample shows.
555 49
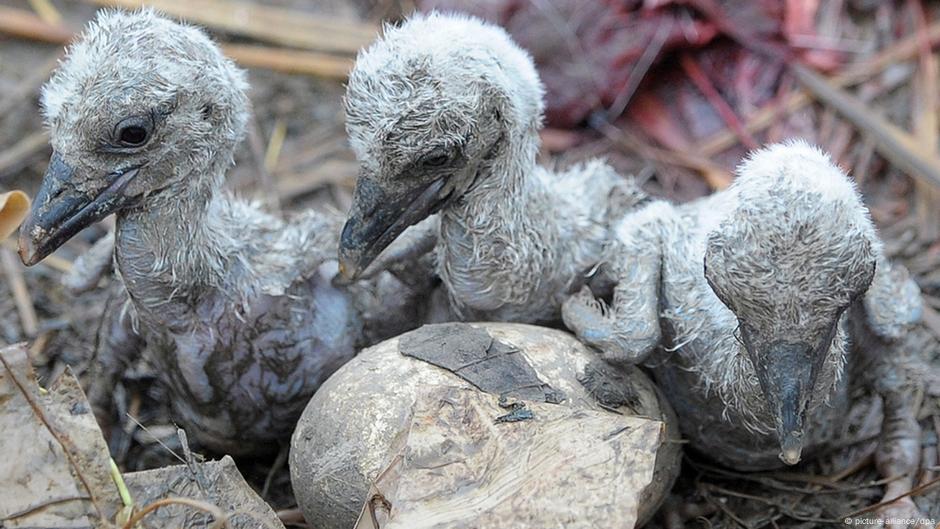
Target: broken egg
484 425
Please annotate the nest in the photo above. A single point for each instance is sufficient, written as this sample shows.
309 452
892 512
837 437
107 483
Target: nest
671 92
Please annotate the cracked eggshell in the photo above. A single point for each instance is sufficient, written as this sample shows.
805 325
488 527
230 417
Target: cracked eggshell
354 426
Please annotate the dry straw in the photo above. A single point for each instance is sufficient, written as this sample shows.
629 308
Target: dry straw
13 208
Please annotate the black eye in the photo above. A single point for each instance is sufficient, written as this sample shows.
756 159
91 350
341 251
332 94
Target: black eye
133 131
133 135
435 160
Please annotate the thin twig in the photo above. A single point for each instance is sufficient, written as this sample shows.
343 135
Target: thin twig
278 464
290 61
770 480
899 147
24 303
701 81
42 505
288 27
333 171
924 118
724 508
715 175
640 69
46 11
901 51
221 520
767 501
25 24
916 490
262 174
52 261
157 439
275 143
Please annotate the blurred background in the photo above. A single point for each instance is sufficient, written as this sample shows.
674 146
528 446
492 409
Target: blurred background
673 92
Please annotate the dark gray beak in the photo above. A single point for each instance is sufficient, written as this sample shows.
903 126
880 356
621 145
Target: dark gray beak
377 218
787 374
60 210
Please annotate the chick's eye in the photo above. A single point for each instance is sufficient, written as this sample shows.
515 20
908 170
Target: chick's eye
133 131
133 135
435 160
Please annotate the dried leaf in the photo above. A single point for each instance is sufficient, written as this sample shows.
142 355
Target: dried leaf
216 483
13 208
60 476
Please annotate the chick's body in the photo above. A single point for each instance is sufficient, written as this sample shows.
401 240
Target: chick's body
759 310
235 307
703 361
443 113
741 302
243 356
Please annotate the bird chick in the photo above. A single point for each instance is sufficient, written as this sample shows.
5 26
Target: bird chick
745 297
443 114
236 307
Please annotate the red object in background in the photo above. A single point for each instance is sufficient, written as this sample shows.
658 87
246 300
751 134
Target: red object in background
592 54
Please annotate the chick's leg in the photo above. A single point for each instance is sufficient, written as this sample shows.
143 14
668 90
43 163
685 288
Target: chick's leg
890 308
893 303
898 458
627 330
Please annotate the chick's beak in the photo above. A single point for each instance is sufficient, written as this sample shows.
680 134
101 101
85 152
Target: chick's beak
787 376
378 217
60 210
